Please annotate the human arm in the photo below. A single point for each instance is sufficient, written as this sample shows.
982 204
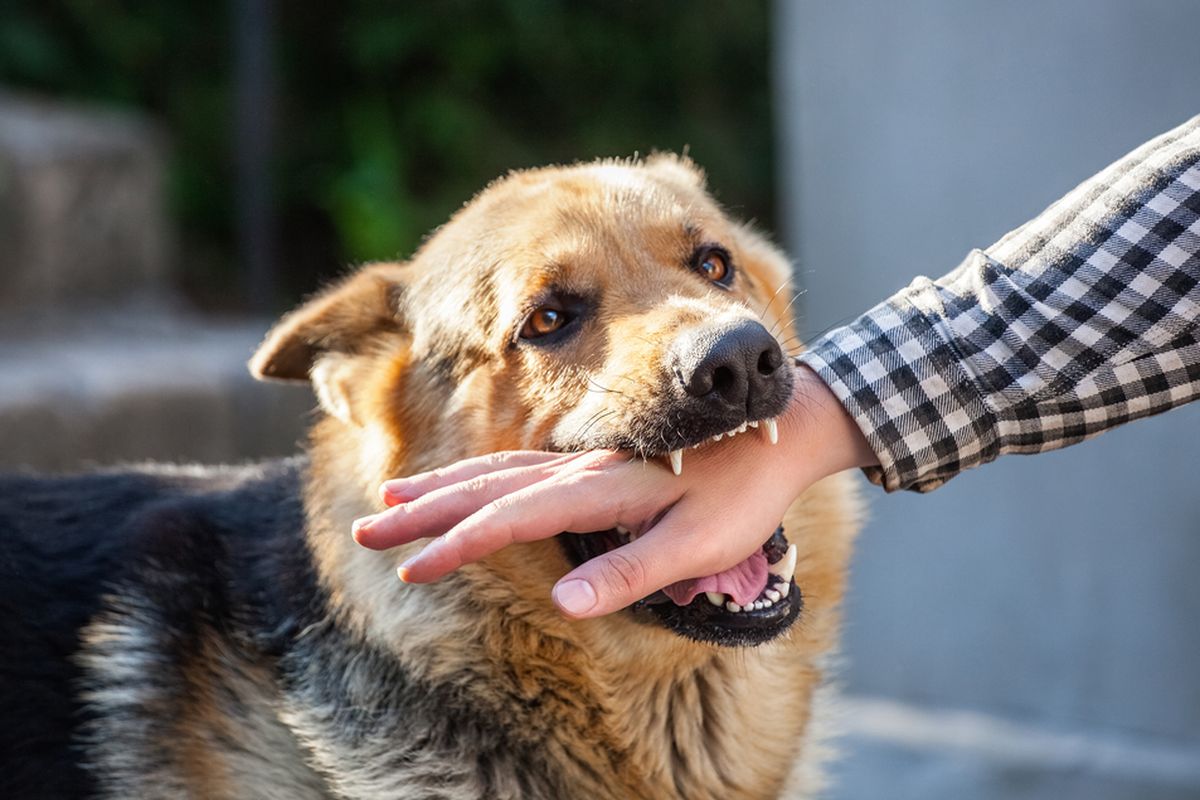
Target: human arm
1081 320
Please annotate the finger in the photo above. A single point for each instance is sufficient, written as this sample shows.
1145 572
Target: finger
675 549
439 510
571 502
402 490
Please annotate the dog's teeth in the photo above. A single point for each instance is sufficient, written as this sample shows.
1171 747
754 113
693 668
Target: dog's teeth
753 423
677 462
742 427
718 437
716 598
732 606
784 588
623 530
785 567
767 602
773 595
772 430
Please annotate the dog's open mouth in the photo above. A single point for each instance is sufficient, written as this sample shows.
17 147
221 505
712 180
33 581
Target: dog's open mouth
748 604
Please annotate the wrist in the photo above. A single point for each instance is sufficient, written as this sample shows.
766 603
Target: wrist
822 433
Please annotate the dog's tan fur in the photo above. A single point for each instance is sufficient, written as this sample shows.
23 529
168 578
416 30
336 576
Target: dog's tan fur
415 367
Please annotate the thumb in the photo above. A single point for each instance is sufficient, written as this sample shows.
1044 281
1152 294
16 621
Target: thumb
609 582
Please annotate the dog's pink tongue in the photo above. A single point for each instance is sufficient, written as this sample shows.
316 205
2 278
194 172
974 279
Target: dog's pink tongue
744 582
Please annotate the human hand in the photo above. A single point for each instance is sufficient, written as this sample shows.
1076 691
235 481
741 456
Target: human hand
729 498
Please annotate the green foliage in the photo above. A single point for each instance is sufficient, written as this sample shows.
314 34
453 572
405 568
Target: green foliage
390 116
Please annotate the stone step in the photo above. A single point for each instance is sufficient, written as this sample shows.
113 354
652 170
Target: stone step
139 385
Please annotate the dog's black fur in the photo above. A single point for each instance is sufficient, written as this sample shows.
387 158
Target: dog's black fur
228 543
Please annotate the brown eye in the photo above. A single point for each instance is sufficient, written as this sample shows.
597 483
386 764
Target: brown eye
713 264
543 321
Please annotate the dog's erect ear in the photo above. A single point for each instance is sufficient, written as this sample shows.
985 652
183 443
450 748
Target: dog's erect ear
677 168
338 320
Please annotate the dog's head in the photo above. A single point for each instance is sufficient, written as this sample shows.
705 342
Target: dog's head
606 305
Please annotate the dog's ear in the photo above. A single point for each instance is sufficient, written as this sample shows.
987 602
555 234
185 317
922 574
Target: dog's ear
677 168
311 342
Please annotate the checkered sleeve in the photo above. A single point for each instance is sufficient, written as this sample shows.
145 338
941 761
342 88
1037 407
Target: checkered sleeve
1082 319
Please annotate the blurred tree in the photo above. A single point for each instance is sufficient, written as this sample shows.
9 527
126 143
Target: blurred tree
390 116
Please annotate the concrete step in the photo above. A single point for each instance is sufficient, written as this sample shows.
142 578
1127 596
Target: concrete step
895 751
138 384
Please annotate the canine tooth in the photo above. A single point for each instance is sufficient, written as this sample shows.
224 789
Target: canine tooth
732 606
677 462
785 567
784 588
772 430
773 595
716 598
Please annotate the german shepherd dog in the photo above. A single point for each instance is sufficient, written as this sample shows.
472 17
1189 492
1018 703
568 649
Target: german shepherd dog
215 632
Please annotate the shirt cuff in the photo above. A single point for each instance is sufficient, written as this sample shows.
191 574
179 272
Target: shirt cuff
904 385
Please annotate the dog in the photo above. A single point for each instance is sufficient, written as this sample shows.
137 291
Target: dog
174 631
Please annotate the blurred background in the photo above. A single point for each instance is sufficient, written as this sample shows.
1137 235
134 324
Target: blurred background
174 175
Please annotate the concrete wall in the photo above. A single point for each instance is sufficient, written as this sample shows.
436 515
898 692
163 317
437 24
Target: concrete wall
1057 594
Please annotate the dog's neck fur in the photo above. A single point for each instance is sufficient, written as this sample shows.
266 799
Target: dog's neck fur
647 700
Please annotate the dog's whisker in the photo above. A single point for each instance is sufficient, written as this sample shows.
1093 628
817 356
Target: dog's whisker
783 314
767 307
591 422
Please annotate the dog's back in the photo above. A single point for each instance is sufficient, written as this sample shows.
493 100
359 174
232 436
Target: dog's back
69 545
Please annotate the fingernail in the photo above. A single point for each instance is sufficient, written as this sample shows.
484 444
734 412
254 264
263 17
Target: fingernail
404 571
575 596
390 492
361 524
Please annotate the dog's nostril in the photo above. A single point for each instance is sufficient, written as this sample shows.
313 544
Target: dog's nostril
723 380
769 361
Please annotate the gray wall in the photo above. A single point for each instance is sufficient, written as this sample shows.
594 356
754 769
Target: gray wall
1057 592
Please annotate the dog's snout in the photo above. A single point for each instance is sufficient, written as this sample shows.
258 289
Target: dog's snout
731 366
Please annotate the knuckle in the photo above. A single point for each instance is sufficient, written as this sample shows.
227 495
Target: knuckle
623 573
496 459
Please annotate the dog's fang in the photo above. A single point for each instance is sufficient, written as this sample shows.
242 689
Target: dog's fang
772 429
677 462
716 598
785 567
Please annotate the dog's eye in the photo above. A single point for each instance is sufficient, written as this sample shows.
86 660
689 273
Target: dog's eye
543 321
713 263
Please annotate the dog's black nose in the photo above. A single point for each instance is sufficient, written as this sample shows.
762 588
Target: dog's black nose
736 366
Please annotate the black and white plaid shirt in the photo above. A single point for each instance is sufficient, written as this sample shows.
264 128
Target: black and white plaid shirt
1080 320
